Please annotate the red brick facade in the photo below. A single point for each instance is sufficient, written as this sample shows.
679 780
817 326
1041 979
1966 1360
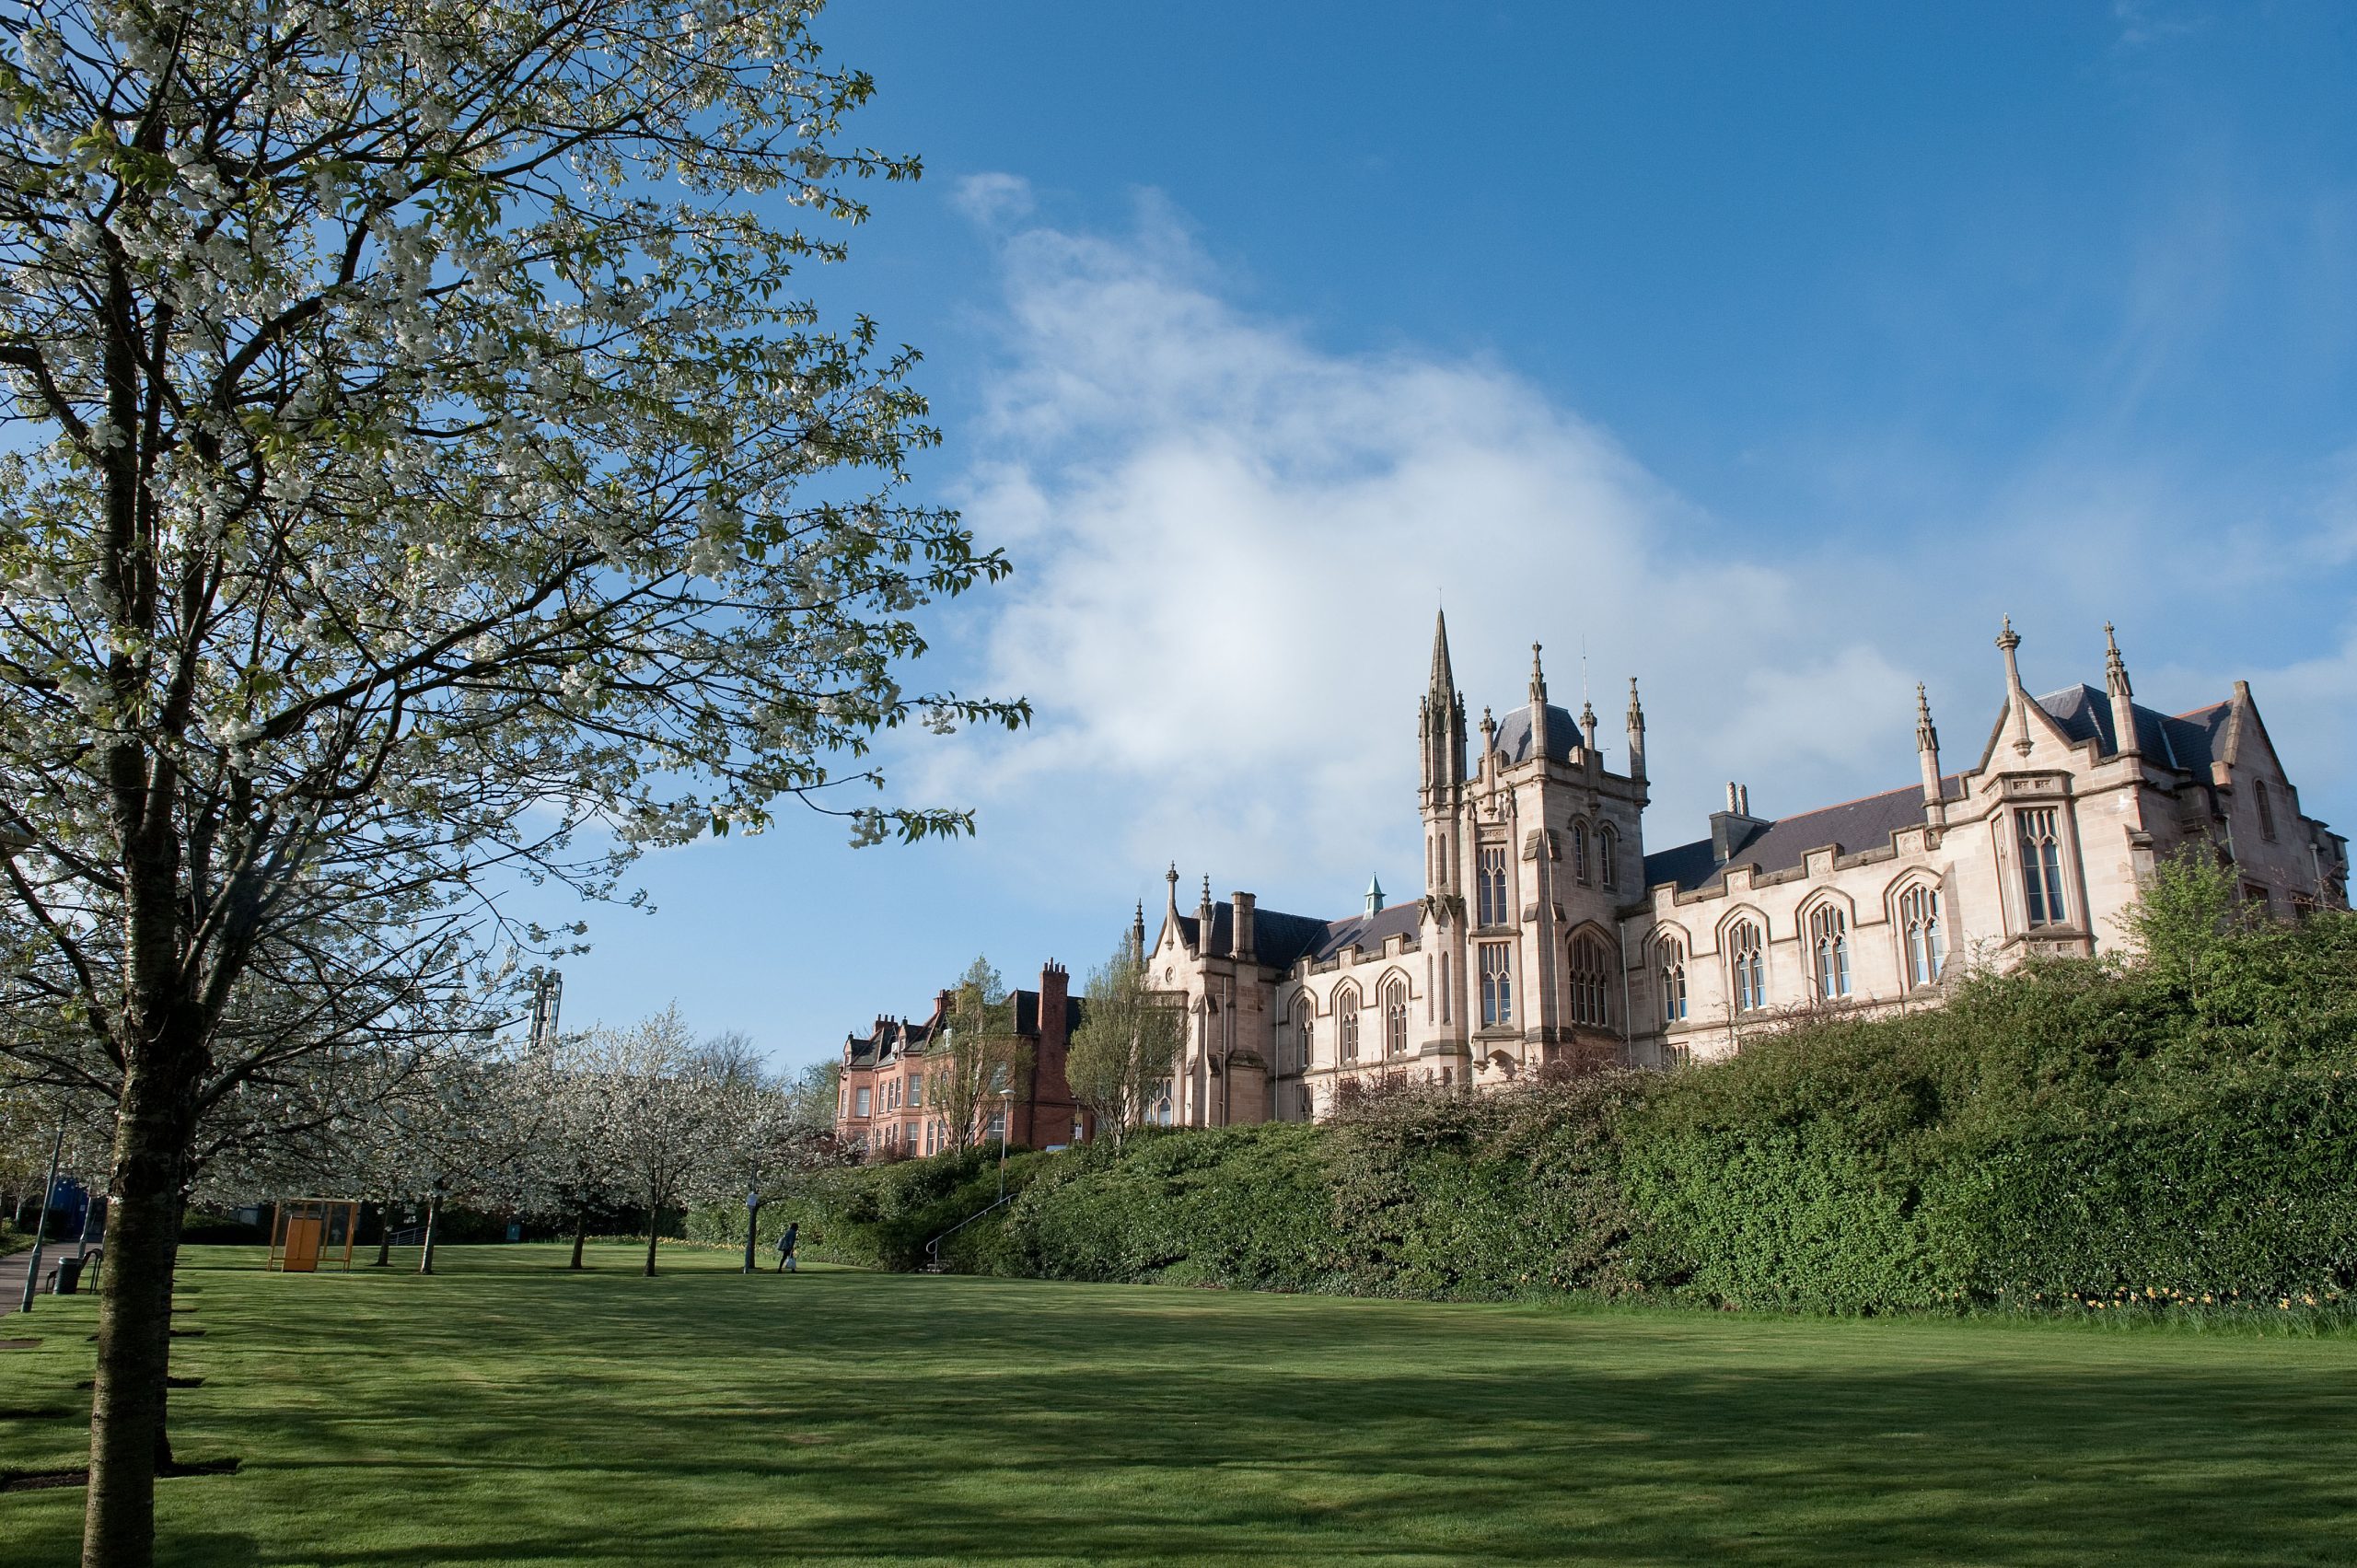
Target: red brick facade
881 1106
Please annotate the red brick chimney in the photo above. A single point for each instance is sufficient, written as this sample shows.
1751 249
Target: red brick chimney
1055 986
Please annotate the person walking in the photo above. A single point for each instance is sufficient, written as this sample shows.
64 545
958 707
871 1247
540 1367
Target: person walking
785 1245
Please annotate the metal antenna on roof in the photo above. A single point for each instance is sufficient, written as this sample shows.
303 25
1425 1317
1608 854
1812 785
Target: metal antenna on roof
1584 696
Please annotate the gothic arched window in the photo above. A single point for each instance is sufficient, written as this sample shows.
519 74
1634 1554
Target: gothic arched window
1395 1018
1497 983
1492 886
1607 850
1671 953
1305 1036
1579 851
1746 967
1828 942
1591 980
2041 866
1346 1023
1919 924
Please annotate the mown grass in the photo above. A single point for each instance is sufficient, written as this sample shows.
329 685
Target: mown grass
508 1412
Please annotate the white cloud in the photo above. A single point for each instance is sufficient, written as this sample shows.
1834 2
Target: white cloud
991 199
1232 543
1231 540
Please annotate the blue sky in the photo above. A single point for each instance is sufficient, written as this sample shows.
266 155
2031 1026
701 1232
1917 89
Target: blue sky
1771 353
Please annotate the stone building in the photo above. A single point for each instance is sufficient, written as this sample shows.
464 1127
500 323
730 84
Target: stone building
881 1103
1547 933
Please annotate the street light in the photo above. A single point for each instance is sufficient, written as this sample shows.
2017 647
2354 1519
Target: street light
1005 1117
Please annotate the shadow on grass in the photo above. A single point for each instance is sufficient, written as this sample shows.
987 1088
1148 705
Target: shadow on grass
512 1416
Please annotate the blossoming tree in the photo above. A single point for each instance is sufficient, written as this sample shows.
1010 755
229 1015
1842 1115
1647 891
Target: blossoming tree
422 474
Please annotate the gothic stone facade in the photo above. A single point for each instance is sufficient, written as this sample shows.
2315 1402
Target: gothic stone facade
1547 934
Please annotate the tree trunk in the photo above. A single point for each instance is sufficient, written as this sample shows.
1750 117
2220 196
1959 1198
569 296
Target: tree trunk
580 1234
129 1442
654 1229
384 1234
432 1222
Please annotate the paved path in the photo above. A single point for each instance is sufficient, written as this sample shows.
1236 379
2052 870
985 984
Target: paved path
12 1273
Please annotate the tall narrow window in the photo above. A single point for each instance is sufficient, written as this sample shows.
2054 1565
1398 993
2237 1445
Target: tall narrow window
1829 941
1579 851
1346 1023
1493 886
2266 809
1607 850
1395 1018
1591 980
1497 984
860 1099
1305 1034
2041 866
1919 926
1747 971
1443 987
1672 954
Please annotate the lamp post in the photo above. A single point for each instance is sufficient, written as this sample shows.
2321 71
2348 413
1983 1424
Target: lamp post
40 1222
1005 1119
753 1217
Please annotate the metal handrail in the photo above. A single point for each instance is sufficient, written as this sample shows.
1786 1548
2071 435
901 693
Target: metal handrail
932 1247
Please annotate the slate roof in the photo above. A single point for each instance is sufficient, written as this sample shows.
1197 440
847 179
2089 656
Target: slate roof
1280 940
1784 845
1514 735
2186 741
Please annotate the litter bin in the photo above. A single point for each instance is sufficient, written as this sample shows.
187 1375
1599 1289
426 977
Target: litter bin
69 1277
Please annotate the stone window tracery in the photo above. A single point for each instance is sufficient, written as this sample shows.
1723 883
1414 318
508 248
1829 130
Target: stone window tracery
1497 984
2041 847
1590 974
1346 1023
1746 967
1672 955
1491 885
1395 1018
1829 941
1919 926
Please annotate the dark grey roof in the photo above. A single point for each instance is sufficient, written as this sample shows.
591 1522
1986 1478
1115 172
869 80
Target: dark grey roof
1368 932
1784 845
1280 940
2186 741
1514 735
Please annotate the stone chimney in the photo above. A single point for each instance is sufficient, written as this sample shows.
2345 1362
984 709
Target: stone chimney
1241 936
1735 827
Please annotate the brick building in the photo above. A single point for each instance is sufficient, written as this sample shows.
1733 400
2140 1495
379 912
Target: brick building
882 1103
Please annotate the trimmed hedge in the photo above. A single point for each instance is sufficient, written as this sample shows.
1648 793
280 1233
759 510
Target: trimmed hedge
2066 1130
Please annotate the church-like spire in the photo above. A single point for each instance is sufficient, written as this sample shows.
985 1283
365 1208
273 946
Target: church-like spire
1137 934
1171 876
1537 706
1444 678
1441 726
2123 696
1927 752
1636 732
1374 895
2016 698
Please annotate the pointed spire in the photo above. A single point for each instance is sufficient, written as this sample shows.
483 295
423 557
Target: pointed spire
1588 725
1444 678
2016 698
1374 895
2123 697
1539 737
1137 934
1636 732
1538 679
1172 877
1927 752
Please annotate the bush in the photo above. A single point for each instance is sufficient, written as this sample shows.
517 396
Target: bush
2173 1128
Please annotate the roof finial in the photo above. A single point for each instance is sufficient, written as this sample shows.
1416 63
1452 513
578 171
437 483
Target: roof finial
1538 679
2016 697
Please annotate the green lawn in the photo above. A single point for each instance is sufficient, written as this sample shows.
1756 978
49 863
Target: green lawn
508 1412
